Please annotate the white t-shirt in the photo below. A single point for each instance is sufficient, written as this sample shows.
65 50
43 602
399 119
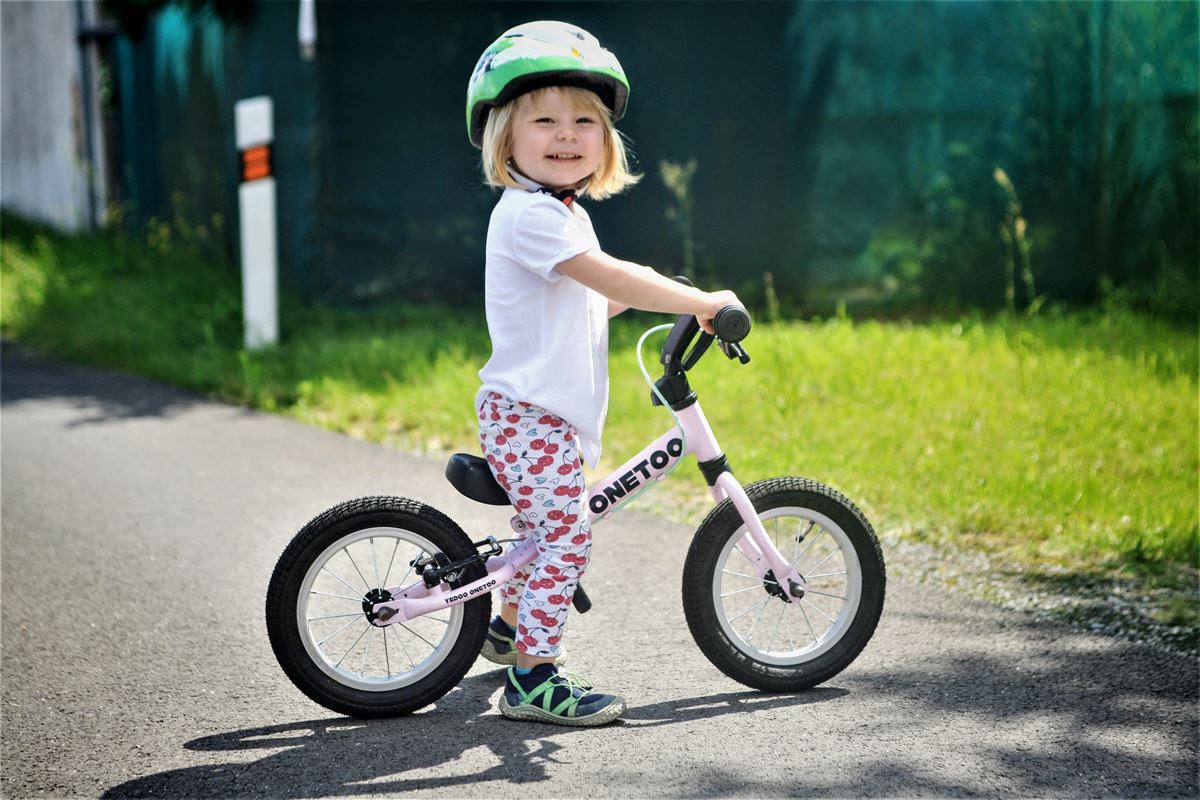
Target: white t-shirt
549 333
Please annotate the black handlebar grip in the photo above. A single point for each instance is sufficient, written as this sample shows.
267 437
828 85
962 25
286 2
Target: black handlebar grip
732 324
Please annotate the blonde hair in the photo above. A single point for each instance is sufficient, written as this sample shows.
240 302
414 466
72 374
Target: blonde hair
611 177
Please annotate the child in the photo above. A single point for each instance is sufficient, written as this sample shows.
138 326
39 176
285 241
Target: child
541 105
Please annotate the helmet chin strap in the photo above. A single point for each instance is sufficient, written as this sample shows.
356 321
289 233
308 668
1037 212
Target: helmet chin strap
567 196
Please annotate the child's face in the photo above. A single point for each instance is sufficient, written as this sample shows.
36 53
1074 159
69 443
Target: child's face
555 142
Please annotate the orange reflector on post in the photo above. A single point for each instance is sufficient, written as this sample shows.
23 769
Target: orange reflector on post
256 163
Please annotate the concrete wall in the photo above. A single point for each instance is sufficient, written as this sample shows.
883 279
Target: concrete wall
44 172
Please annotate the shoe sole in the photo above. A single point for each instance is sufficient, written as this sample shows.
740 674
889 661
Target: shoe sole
534 714
509 659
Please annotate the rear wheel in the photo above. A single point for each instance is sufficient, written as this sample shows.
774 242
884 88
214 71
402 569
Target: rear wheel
745 625
335 568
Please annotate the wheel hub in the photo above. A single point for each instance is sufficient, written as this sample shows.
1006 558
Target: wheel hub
771 585
371 599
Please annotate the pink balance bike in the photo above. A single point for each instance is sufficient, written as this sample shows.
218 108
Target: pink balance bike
380 605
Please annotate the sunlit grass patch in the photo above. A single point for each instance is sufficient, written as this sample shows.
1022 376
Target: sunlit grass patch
1067 439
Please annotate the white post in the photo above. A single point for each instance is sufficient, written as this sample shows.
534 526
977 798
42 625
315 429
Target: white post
256 213
306 29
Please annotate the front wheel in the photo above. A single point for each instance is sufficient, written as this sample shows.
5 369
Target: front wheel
335 568
744 624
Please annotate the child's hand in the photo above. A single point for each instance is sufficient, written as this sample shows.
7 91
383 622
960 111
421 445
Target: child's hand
716 301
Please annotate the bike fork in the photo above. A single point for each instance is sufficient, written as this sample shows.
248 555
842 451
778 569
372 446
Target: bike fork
756 545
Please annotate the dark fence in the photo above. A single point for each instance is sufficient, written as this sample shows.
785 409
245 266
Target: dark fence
846 148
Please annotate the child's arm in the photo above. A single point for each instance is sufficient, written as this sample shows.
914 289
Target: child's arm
634 286
615 308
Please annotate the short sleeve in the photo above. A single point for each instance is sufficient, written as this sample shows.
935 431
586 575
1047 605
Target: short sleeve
545 234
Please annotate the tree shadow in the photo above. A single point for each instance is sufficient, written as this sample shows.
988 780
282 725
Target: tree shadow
1130 711
343 756
99 395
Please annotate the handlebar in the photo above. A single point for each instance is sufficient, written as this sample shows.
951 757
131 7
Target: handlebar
732 324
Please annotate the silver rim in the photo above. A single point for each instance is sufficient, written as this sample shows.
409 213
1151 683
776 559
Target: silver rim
772 631
335 630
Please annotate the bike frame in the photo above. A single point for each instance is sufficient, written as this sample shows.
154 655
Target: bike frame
691 436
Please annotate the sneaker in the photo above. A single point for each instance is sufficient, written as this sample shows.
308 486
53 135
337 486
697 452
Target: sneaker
559 698
500 646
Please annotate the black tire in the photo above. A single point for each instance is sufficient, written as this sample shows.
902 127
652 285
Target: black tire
709 586
367 527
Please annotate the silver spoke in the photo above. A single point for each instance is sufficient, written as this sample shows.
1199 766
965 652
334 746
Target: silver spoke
825 594
810 542
796 541
362 669
808 622
352 646
826 575
817 608
419 636
374 564
403 649
346 550
739 591
388 574
751 577
748 610
787 623
387 662
327 571
335 633
778 622
762 609
342 596
826 558
411 567
334 616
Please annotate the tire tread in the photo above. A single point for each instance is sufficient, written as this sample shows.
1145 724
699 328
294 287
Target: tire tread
709 541
311 540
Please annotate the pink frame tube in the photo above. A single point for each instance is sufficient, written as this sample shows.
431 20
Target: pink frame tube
636 475
610 495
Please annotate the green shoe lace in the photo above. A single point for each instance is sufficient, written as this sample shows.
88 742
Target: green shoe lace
577 688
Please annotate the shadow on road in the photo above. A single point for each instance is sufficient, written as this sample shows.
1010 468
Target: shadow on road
104 396
1068 713
343 756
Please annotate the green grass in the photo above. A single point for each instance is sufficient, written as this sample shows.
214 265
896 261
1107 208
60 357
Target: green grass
1067 439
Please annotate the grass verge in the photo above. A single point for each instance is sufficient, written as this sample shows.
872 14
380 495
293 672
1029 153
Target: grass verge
1065 446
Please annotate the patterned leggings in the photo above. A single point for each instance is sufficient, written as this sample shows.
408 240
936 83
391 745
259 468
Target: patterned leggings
534 456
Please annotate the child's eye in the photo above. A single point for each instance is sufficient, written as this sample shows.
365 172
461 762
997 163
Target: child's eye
585 121
541 120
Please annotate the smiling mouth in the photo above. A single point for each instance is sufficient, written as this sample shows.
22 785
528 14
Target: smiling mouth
565 157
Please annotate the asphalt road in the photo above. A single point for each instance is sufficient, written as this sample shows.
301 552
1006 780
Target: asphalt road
140 525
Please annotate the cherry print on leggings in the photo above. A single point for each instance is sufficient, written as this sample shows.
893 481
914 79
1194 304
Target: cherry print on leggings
534 456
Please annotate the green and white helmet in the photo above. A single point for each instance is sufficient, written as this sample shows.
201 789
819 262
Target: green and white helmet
539 54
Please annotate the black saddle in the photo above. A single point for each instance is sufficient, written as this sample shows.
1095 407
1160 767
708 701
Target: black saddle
472 476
